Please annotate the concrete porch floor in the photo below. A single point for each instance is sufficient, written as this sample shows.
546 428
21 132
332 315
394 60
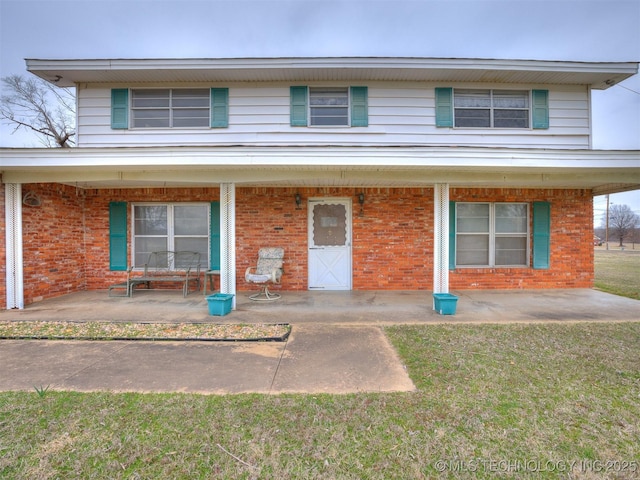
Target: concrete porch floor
351 307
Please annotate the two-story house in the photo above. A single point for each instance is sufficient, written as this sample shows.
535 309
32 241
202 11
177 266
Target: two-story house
372 173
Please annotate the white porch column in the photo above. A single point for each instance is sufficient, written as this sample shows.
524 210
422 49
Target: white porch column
13 225
228 239
441 238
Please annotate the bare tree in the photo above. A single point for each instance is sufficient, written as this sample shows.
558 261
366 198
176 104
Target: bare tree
36 105
622 221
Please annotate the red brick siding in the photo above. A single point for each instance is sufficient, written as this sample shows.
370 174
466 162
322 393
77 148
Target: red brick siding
572 256
97 221
393 240
67 238
53 242
268 217
392 237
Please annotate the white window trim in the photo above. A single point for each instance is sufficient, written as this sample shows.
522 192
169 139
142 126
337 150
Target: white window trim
309 106
492 109
170 225
492 236
171 109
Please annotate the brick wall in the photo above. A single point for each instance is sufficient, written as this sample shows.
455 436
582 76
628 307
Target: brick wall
268 217
53 242
392 238
67 238
572 256
97 221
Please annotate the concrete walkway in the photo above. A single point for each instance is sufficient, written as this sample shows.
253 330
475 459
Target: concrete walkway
313 360
336 346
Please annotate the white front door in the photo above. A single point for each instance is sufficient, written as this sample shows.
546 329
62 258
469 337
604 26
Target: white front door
330 244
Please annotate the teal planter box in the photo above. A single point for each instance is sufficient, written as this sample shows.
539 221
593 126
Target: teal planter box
219 303
445 303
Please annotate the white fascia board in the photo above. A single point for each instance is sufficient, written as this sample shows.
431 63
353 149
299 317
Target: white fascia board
330 62
356 157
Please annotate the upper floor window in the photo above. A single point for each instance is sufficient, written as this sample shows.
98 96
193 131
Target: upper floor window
491 108
329 106
164 108
476 108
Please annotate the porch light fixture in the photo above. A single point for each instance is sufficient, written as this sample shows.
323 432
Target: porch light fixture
361 198
31 199
298 200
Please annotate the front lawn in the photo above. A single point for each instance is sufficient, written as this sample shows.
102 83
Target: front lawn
517 401
618 271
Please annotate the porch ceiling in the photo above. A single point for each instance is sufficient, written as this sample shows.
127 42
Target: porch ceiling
601 171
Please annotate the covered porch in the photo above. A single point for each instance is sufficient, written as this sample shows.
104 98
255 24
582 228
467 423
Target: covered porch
85 180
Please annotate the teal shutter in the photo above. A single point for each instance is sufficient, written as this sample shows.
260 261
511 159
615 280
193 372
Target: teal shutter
298 106
219 107
444 107
359 107
540 114
541 235
452 235
119 108
117 235
214 253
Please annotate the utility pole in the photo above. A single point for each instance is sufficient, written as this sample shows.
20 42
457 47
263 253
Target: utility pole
606 228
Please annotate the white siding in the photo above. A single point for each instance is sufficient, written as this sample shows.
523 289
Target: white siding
399 114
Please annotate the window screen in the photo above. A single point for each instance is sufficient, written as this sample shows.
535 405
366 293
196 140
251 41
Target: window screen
491 108
163 108
492 234
329 106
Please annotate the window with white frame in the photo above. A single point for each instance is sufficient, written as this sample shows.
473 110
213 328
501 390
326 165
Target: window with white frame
492 234
171 227
329 106
164 108
491 108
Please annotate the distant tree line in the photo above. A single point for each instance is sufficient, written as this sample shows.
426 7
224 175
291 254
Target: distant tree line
624 225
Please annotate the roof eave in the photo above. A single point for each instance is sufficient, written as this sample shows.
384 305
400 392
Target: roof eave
70 72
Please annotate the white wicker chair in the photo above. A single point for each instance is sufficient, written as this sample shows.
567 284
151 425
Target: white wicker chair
268 270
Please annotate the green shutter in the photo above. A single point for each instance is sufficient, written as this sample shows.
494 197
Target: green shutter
119 108
118 236
219 107
541 235
452 235
298 106
359 107
444 107
540 114
214 253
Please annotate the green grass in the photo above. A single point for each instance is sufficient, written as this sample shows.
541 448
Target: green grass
618 272
488 396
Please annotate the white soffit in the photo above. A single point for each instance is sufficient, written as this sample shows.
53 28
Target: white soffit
599 75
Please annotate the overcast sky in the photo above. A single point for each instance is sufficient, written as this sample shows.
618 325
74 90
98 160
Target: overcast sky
580 30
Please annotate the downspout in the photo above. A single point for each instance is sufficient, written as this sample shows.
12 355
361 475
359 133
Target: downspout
13 233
